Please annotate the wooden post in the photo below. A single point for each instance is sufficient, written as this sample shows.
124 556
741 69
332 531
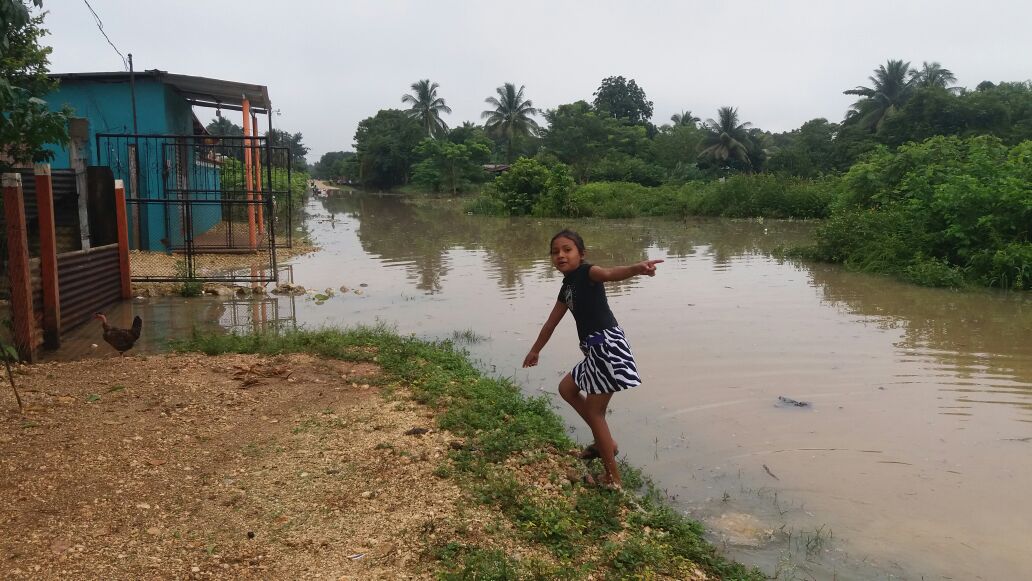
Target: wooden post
258 178
48 257
134 192
78 132
22 312
122 225
252 234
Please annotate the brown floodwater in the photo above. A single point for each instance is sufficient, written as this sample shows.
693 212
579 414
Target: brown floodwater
910 461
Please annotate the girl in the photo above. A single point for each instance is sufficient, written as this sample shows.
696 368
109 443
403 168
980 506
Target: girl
608 366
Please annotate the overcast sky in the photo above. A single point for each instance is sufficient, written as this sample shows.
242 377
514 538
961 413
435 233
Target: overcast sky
329 65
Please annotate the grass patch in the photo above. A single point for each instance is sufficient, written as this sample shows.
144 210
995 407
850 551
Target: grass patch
581 530
467 336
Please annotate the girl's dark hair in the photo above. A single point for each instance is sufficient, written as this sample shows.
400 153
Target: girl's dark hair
567 233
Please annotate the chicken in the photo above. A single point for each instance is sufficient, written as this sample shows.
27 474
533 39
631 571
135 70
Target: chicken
121 339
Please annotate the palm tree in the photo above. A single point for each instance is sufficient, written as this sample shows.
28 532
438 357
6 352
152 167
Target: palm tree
726 139
933 75
892 85
427 107
511 116
684 118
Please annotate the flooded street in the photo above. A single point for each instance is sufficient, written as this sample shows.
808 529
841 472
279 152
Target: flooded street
910 459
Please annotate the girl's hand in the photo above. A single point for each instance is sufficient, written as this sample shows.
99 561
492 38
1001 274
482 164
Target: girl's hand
531 359
648 267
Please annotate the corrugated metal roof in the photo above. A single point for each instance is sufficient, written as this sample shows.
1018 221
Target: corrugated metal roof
203 89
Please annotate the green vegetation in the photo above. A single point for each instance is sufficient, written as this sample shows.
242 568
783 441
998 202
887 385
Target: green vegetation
295 149
890 88
336 165
292 142
289 190
623 100
532 188
606 159
612 138
190 287
593 142
942 212
385 146
499 427
426 107
448 166
512 119
26 123
727 142
232 178
529 187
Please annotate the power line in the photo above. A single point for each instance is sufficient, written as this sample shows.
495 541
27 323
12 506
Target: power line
100 26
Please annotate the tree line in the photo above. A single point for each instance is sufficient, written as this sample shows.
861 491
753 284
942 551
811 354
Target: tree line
293 142
612 137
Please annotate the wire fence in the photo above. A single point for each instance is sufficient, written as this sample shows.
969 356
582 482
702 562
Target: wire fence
202 207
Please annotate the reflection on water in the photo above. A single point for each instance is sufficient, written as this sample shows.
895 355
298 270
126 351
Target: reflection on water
911 460
421 237
168 318
973 345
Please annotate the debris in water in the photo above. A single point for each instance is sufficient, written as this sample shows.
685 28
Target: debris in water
791 402
771 473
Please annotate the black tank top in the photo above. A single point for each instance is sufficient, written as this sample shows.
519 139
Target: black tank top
586 299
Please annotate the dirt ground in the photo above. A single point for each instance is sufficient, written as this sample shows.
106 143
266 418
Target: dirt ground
230 467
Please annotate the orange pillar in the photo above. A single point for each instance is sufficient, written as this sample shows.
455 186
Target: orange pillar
252 234
123 239
22 312
48 257
258 177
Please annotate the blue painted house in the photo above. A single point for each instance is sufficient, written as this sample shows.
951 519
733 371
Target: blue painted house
143 127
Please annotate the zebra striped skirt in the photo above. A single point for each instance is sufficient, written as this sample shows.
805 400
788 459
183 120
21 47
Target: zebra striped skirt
608 364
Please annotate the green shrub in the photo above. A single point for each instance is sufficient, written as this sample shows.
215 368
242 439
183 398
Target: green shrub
618 167
486 205
937 213
190 287
1009 267
874 241
528 187
607 200
767 195
933 272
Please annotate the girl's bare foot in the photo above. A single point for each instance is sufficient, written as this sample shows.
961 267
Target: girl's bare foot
590 452
606 481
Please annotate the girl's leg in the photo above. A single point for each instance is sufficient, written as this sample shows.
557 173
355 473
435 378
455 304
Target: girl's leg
573 396
592 409
595 406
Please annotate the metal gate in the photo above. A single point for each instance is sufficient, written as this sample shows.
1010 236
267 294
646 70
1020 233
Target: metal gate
199 207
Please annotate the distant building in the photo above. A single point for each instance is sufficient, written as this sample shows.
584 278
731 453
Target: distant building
495 168
167 160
